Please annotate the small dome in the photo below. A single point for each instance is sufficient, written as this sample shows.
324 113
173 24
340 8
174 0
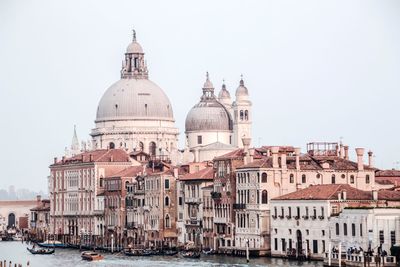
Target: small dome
208 115
242 90
130 99
224 94
134 48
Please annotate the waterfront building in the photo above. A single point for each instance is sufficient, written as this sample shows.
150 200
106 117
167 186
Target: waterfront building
15 213
76 191
39 219
282 170
215 125
115 208
374 228
224 195
302 221
194 205
134 113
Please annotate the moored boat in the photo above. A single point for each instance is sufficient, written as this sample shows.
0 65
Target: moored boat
91 256
41 251
52 244
191 254
170 252
137 252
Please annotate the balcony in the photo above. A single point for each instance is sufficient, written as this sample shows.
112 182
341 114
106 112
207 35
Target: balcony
138 192
239 206
98 212
193 200
216 195
131 225
220 220
194 222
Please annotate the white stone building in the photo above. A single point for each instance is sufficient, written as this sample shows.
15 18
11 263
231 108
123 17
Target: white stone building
366 227
215 126
303 222
135 113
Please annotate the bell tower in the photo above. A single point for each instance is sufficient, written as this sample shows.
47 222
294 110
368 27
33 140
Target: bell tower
242 115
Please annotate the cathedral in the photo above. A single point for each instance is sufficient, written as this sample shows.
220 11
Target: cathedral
135 114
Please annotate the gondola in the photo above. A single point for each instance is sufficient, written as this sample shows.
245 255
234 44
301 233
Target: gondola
41 251
137 252
52 244
191 254
170 252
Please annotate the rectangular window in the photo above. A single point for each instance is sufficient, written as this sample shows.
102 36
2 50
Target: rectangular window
323 245
298 212
166 183
353 229
283 245
276 244
180 201
381 237
315 246
290 243
361 229
392 237
199 139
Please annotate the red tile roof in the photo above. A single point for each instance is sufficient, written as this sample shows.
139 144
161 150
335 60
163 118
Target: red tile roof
331 192
387 173
101 155
204 174
132 171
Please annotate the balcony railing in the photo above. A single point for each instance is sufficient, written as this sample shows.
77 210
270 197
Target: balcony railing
193 222
131 225
193 200
239 206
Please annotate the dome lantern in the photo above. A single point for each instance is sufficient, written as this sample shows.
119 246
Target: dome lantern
134 65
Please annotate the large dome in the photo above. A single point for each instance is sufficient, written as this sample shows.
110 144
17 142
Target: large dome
208 115
130 99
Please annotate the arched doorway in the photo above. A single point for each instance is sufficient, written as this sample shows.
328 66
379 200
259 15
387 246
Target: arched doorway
152 149
299 242
11 220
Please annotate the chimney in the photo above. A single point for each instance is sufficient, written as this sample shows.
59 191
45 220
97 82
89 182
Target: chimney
297 152
344 194
176 172
374 195
341 153
90 157
360 155
283 161
38 198
251 154
346 152
370 159
196 155
112 158
246 144
275 150
55 160
63 159
339 197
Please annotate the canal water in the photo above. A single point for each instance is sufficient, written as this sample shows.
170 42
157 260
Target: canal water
17 253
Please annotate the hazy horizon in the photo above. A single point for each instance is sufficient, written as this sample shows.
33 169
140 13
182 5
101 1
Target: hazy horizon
315 70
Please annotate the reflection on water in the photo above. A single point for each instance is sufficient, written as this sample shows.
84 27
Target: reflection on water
17 253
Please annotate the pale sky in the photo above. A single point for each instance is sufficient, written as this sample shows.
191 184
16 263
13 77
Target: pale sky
315 70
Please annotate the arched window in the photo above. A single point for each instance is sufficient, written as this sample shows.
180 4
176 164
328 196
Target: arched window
246 115
291 178
367 179
264 197
101 182
333 180
352 179
241 115
264 177
353 229
337 229
126 184
258 177
166 201
141 146
152 149
345 228
111 145
167 221
303 179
